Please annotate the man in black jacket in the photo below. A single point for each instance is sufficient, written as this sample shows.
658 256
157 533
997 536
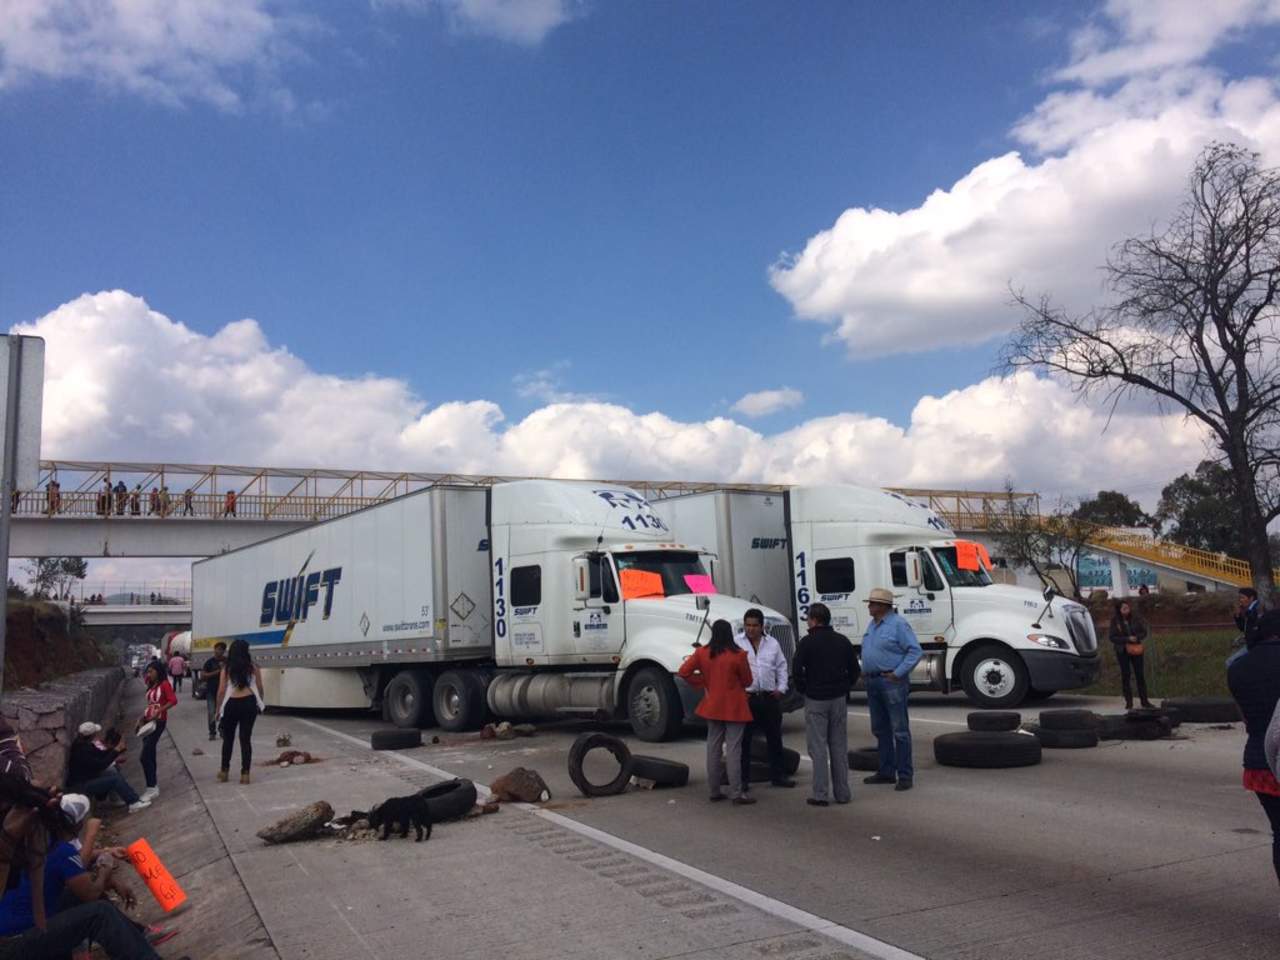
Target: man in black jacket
825 669
1248 610
92 769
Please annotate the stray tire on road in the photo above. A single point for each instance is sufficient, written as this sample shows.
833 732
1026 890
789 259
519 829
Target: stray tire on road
449 800
986 750
864 758
994 720
599 741
1068 720
1205 709
395 739
790 758
665 773
1067 739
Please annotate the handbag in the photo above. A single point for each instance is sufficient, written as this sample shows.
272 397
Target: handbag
147 729
1134 649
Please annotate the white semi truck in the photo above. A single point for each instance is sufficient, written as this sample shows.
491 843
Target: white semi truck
526 599
1001 644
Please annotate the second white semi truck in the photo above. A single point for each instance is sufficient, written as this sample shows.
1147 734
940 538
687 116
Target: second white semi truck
526 599
1001 644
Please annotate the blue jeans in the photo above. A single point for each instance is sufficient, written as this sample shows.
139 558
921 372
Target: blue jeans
109 782
887 701
99 922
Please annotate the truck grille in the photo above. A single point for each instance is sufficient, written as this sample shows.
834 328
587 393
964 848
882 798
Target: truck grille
1080 624
786 638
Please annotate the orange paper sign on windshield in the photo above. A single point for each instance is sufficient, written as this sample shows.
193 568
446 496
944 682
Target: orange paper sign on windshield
967 555
641 583
157 877
984 556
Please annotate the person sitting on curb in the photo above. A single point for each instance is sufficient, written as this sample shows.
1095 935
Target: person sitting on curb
93 769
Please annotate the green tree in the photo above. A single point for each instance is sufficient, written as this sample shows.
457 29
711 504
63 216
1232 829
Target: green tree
52 577
1198 510
1192 325
1110 508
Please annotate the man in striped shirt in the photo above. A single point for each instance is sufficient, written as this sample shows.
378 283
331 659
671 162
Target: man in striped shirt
768 685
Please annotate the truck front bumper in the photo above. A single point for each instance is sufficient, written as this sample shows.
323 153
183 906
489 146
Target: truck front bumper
1060 671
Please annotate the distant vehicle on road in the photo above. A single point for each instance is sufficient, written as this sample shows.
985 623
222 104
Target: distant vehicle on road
526 599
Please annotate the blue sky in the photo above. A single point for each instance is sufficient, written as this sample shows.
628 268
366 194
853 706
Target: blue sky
748 241
458 210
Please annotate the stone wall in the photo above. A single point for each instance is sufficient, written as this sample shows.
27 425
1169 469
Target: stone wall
47 718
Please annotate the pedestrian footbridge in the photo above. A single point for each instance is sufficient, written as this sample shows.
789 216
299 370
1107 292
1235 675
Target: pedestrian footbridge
131 509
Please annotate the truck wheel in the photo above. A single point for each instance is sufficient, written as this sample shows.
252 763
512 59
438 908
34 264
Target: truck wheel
653 705
458 699
994 677
407 699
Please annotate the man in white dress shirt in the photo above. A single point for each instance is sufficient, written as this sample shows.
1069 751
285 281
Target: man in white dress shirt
768 685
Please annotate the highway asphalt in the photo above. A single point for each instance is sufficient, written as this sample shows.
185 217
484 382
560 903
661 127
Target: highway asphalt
1131 849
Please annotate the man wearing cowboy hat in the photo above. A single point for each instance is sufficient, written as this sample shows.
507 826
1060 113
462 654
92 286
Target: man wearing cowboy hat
889 651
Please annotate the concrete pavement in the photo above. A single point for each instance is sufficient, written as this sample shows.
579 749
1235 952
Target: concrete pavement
514 885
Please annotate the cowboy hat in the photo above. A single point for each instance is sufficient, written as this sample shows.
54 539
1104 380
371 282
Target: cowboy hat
881 595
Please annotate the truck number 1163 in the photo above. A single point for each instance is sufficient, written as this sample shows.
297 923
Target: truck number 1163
802 589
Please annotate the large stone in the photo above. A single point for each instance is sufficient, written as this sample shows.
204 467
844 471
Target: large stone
521 784
53 720
299 825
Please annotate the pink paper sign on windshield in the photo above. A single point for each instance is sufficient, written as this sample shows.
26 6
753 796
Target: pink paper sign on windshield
699 583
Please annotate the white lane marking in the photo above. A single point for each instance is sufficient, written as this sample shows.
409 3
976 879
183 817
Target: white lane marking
784 911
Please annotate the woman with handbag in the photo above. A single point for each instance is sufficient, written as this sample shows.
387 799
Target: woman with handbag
722 670
1128 636
160 698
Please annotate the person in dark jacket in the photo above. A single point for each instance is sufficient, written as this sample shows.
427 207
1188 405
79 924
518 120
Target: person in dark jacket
1128 635
1254 679
92 769
1248 611
825 669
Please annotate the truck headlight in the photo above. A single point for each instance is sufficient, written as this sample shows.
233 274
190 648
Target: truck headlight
1048 640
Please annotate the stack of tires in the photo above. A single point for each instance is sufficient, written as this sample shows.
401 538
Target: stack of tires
1067 729
992 741
1146 723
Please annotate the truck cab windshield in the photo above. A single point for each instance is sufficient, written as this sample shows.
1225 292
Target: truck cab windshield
946 557
672 565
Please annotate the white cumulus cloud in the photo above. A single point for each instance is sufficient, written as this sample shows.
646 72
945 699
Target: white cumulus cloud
764 402
1113 161
171 51
519 21
126 382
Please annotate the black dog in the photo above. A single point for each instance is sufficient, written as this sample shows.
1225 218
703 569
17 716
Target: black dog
402 811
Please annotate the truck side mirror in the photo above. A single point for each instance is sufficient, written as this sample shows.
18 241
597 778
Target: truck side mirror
581 579
702 601
1049 593
915 576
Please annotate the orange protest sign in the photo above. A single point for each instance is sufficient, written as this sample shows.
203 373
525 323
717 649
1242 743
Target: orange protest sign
641 583
967 555
984 556
156 876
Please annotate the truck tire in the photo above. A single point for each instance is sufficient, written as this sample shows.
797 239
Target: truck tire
986 750
664 773
602 741
1205 709
450 800
865 758
1068 719
653 705
994 720
1067 739
458 700
407 700
790 758
994 677
395 739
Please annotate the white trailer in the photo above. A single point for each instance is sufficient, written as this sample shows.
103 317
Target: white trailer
834 543
525 599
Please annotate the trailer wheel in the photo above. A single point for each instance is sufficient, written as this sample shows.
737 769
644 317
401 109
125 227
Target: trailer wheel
986 750
449 800
1000 720
578 752
994 677
653 705
407 699
458 699
664 773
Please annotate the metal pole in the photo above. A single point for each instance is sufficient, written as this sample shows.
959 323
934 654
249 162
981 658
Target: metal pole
9 480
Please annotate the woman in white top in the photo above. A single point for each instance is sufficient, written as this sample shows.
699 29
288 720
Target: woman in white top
239 703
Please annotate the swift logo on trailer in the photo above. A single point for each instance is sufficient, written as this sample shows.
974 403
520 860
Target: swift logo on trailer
768 543
290 600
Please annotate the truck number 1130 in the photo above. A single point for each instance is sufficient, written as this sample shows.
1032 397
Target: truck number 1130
499 600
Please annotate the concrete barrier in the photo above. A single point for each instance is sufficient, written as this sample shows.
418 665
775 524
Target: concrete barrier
47 718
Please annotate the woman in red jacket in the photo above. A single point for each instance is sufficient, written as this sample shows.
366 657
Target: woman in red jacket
721 669
160 698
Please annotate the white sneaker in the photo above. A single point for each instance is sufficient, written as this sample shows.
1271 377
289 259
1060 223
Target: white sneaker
140 805
150 794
